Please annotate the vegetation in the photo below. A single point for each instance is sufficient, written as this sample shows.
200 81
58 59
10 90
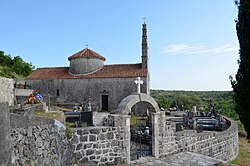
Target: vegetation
241 85
186 99
50 115
244 153
14 67
68 132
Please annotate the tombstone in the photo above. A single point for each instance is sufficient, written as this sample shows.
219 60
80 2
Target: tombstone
185 120
87 115
194 109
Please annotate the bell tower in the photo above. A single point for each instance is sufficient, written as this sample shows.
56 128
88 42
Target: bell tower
144 47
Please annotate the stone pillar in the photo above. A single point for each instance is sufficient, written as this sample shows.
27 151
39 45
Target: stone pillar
155 135
5 153
122 122
127 138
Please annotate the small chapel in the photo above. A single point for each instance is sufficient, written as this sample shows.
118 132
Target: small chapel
88 78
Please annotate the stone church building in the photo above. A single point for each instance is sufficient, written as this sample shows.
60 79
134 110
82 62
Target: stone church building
88 77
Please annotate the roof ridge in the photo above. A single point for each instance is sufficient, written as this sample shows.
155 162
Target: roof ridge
122 64
86 53
52 67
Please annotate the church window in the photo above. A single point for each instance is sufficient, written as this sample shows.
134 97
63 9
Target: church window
57 92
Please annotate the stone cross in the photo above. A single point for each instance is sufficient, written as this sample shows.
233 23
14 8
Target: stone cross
138 81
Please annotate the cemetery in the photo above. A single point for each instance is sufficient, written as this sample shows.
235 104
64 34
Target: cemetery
122 137
113 118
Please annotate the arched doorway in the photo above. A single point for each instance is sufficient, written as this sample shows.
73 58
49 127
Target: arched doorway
145 110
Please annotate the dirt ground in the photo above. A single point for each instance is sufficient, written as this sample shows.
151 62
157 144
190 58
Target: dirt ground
243 159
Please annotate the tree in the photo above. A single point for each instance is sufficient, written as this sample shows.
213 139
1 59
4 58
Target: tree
5 60
241 85
16 65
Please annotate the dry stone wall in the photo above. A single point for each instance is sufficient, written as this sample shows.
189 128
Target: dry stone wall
37 141
102 145
39 145
7 90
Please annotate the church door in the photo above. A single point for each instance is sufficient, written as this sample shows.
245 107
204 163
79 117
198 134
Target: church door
105 102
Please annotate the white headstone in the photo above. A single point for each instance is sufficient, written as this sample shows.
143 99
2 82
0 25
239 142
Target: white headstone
138 81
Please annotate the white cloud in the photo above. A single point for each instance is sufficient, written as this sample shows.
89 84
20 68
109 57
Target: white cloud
182 48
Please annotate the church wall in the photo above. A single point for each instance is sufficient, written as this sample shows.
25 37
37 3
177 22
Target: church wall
78 90
85 65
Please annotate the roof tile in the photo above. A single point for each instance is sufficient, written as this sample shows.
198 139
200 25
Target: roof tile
87 53
108 71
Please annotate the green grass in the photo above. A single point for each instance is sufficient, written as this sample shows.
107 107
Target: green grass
240 125
8 73
68 132
243 158
50 115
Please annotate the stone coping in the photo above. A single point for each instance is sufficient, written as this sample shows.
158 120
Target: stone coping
92 127
20 121
233 127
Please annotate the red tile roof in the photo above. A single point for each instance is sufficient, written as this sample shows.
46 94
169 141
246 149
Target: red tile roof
87 53
108 71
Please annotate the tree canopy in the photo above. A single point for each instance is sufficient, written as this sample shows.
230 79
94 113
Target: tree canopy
241 85
17 65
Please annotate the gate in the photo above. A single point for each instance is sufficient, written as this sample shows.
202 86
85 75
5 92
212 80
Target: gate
140 143
141 137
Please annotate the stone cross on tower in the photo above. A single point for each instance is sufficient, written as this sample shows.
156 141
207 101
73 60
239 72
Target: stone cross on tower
138 81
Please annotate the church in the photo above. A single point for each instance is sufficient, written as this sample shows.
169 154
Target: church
87 77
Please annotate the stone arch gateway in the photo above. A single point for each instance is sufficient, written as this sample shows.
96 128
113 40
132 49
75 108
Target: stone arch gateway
127 103
124 109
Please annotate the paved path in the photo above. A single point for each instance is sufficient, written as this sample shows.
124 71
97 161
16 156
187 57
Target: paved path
180 159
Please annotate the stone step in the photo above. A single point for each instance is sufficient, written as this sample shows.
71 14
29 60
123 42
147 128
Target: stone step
98 117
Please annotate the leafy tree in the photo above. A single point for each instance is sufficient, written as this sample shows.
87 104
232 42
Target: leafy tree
241 85
16 65
5 60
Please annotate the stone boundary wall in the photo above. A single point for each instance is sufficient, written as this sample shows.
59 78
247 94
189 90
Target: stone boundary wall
220 145
39 145
5 151
223 145
102 145
37 141
7 90
21 121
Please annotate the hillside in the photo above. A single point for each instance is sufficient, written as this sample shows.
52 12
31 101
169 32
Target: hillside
14 67
186 99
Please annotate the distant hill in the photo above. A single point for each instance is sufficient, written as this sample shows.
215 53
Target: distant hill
14 67
186 99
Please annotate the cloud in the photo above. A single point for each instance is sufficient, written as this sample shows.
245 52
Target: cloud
182 48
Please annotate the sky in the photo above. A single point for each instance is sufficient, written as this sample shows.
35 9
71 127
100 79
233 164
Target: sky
192 43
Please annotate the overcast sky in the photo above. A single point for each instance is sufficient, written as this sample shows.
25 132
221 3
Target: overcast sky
192 44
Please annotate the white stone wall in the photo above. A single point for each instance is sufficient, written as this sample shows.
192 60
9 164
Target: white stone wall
7 90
